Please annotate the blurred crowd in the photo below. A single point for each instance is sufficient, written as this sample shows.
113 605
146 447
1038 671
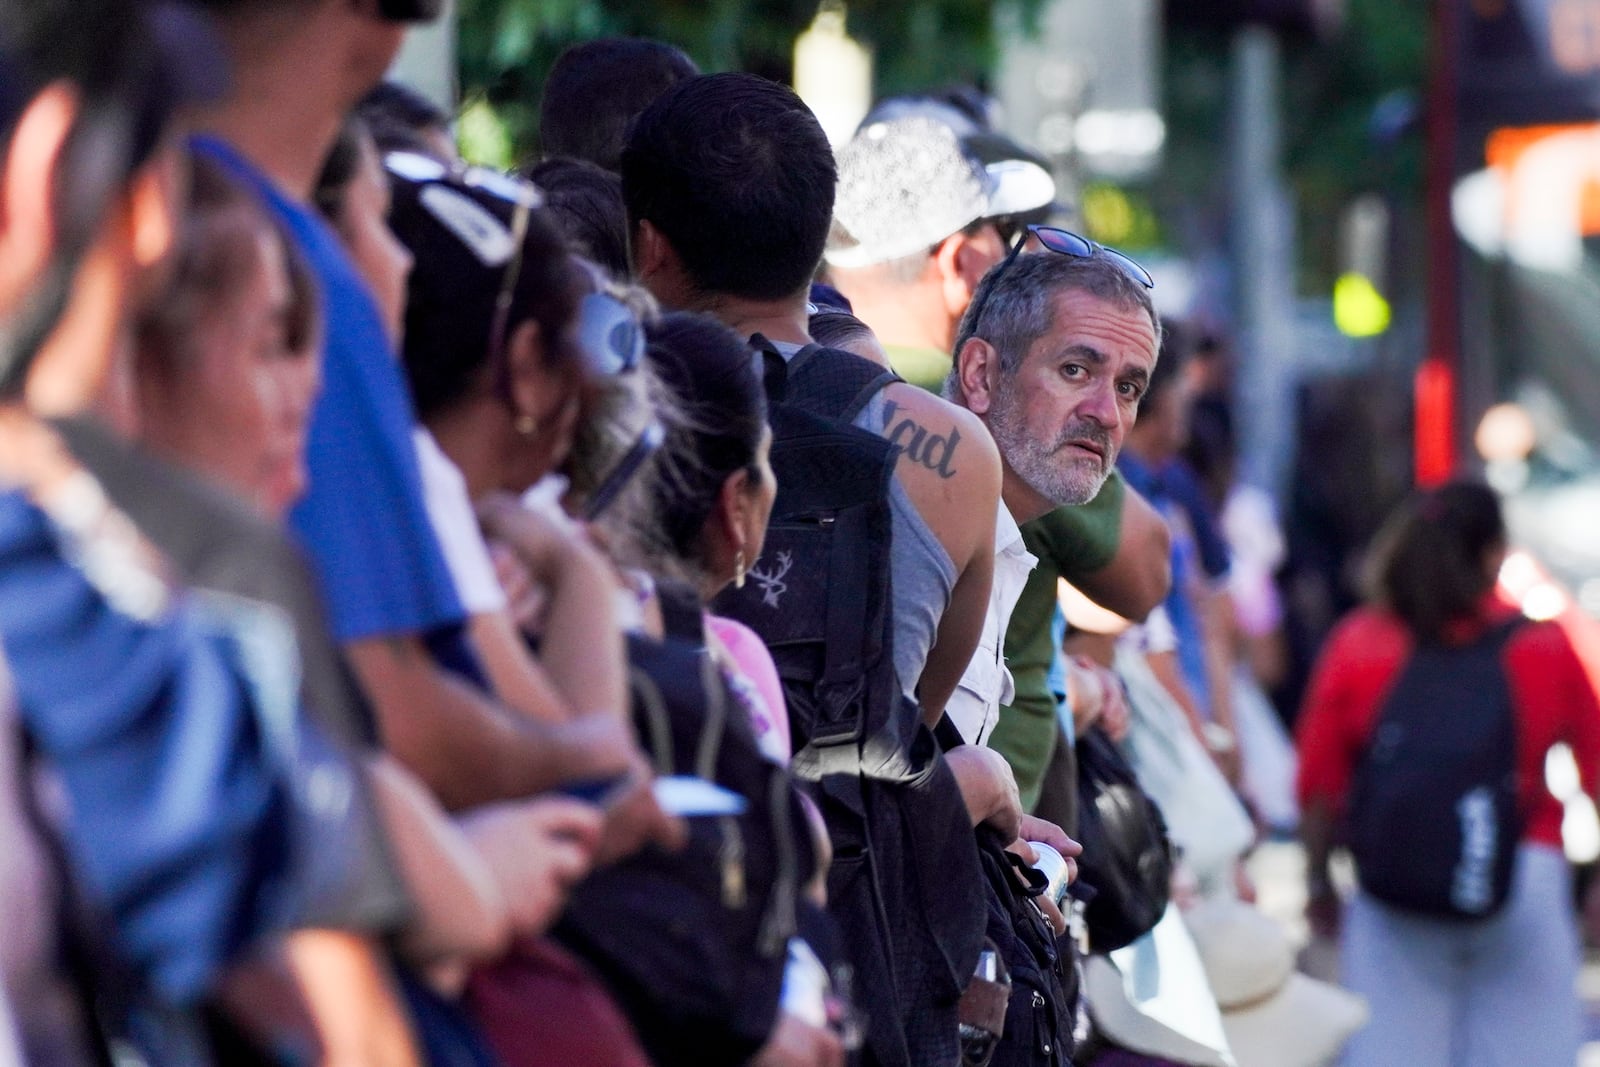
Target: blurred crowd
704 598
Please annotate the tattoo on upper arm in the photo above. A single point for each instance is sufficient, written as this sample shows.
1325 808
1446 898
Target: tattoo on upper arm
934 451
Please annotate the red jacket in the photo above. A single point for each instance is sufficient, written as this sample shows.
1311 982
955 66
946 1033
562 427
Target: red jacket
1551 696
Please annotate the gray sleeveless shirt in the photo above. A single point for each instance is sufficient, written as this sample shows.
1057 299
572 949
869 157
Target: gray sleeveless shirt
923 574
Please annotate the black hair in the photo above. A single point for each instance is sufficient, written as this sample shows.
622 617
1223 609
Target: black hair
585 202
711 374
131 64
1171 359
836 328
1431 560
340 167
450 298
397 116
736 173
595 90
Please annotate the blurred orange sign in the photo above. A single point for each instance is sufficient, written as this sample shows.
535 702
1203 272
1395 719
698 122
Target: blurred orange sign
1562 160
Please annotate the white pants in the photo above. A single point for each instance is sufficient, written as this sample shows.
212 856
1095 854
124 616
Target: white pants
1501 993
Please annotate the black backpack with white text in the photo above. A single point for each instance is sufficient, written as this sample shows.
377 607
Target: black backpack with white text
1433 819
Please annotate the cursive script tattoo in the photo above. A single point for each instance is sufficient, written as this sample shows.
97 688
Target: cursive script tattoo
933 451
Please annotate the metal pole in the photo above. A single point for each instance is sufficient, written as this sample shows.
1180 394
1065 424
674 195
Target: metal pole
1436 378
1263 247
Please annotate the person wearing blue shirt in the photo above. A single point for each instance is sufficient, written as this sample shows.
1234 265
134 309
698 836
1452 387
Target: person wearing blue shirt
300 68
145 766
362 517
1152 465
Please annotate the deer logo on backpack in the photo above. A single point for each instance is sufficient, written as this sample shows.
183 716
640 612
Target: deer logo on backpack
772 584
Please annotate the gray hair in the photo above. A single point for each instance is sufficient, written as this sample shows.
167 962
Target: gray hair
1018 303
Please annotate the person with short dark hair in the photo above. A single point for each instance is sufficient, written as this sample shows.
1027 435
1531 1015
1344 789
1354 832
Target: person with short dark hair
743 205
402 119
586 203
729 182
596 88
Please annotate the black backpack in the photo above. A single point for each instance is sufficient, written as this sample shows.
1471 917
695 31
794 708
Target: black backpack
1127 856
904 885
693 944
1433 820
819 596
1044 978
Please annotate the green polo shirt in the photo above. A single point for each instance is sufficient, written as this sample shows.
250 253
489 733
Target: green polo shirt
1070 542
926 367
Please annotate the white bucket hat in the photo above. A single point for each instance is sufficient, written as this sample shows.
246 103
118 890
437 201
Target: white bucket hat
1119 1020
1274 1016
904 186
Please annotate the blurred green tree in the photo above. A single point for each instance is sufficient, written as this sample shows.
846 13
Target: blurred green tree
507 45
1345 103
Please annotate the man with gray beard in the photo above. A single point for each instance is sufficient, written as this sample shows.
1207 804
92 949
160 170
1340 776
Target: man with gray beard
1053 355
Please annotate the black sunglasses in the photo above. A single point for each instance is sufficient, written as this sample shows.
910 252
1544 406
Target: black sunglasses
1068 244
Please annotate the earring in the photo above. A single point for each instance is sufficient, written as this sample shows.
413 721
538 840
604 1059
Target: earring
527 425
738 569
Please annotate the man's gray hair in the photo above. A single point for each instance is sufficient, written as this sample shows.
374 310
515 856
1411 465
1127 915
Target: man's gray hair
1017 304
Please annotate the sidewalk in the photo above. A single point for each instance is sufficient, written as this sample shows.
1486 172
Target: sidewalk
1278 869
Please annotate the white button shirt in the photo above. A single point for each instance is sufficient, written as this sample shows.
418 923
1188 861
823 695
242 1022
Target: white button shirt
974 707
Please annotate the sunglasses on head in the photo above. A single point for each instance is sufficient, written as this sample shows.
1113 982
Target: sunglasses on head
523 196
1066 243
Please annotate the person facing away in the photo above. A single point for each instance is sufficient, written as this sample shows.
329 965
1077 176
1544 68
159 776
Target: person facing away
595 89
739 234
1497 987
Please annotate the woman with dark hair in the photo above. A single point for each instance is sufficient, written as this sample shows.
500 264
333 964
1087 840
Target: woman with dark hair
488 344
707 510
1422 745
700 522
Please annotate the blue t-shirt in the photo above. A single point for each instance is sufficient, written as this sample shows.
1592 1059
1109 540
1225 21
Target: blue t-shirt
1197 549
179 817
362 518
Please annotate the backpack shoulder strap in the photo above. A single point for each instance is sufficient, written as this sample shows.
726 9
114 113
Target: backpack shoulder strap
682 615
826 381
836 383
